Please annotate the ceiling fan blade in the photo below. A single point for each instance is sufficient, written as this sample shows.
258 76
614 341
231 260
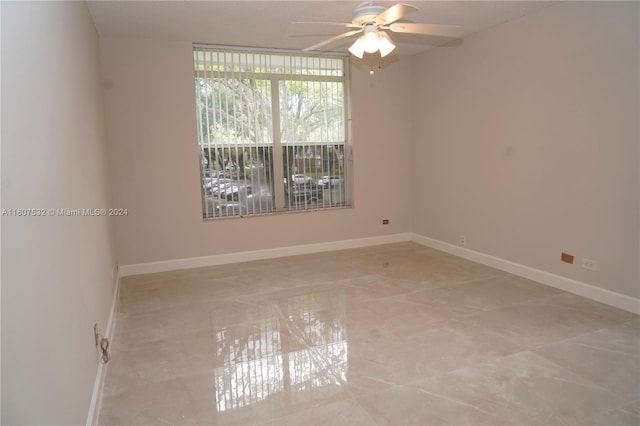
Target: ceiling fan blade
395 12
339 24
332 39
453 31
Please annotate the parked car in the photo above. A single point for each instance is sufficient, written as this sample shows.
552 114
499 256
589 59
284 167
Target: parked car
300 179
220 186
213 184
306 193
232 192
245 199
329 181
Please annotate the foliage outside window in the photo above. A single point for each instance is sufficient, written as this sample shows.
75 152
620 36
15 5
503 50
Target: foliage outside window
272 131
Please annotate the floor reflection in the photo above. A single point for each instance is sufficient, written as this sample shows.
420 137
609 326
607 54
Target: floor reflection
251 360
294 348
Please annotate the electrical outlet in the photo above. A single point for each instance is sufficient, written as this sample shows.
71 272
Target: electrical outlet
591 265
463 241
385 221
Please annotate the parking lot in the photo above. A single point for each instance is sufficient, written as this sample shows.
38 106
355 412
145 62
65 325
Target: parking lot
231 194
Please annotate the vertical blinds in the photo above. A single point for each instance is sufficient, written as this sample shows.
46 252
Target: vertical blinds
271 130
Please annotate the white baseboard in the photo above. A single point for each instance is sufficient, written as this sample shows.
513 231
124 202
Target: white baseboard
245 256
98 386
598 294
567 284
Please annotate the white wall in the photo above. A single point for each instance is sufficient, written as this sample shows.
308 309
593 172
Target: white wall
155 163
526 142
56 271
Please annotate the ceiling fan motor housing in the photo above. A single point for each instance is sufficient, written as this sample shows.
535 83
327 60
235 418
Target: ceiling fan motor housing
365 14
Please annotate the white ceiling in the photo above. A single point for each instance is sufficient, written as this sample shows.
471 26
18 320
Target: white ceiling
268 23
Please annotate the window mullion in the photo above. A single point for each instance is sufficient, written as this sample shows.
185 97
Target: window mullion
278 169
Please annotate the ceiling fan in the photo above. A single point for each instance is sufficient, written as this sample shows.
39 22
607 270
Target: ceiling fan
372 20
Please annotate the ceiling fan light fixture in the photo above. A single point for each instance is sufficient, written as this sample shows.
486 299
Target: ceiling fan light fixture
385 45
370 42
357 48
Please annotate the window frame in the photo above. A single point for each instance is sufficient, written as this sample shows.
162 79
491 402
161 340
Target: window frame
276 129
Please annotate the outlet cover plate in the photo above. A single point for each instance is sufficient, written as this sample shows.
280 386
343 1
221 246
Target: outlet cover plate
589 264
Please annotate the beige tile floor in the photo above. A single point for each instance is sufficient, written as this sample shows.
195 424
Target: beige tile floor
394 334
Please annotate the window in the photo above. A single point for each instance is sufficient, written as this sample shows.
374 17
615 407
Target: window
272 131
